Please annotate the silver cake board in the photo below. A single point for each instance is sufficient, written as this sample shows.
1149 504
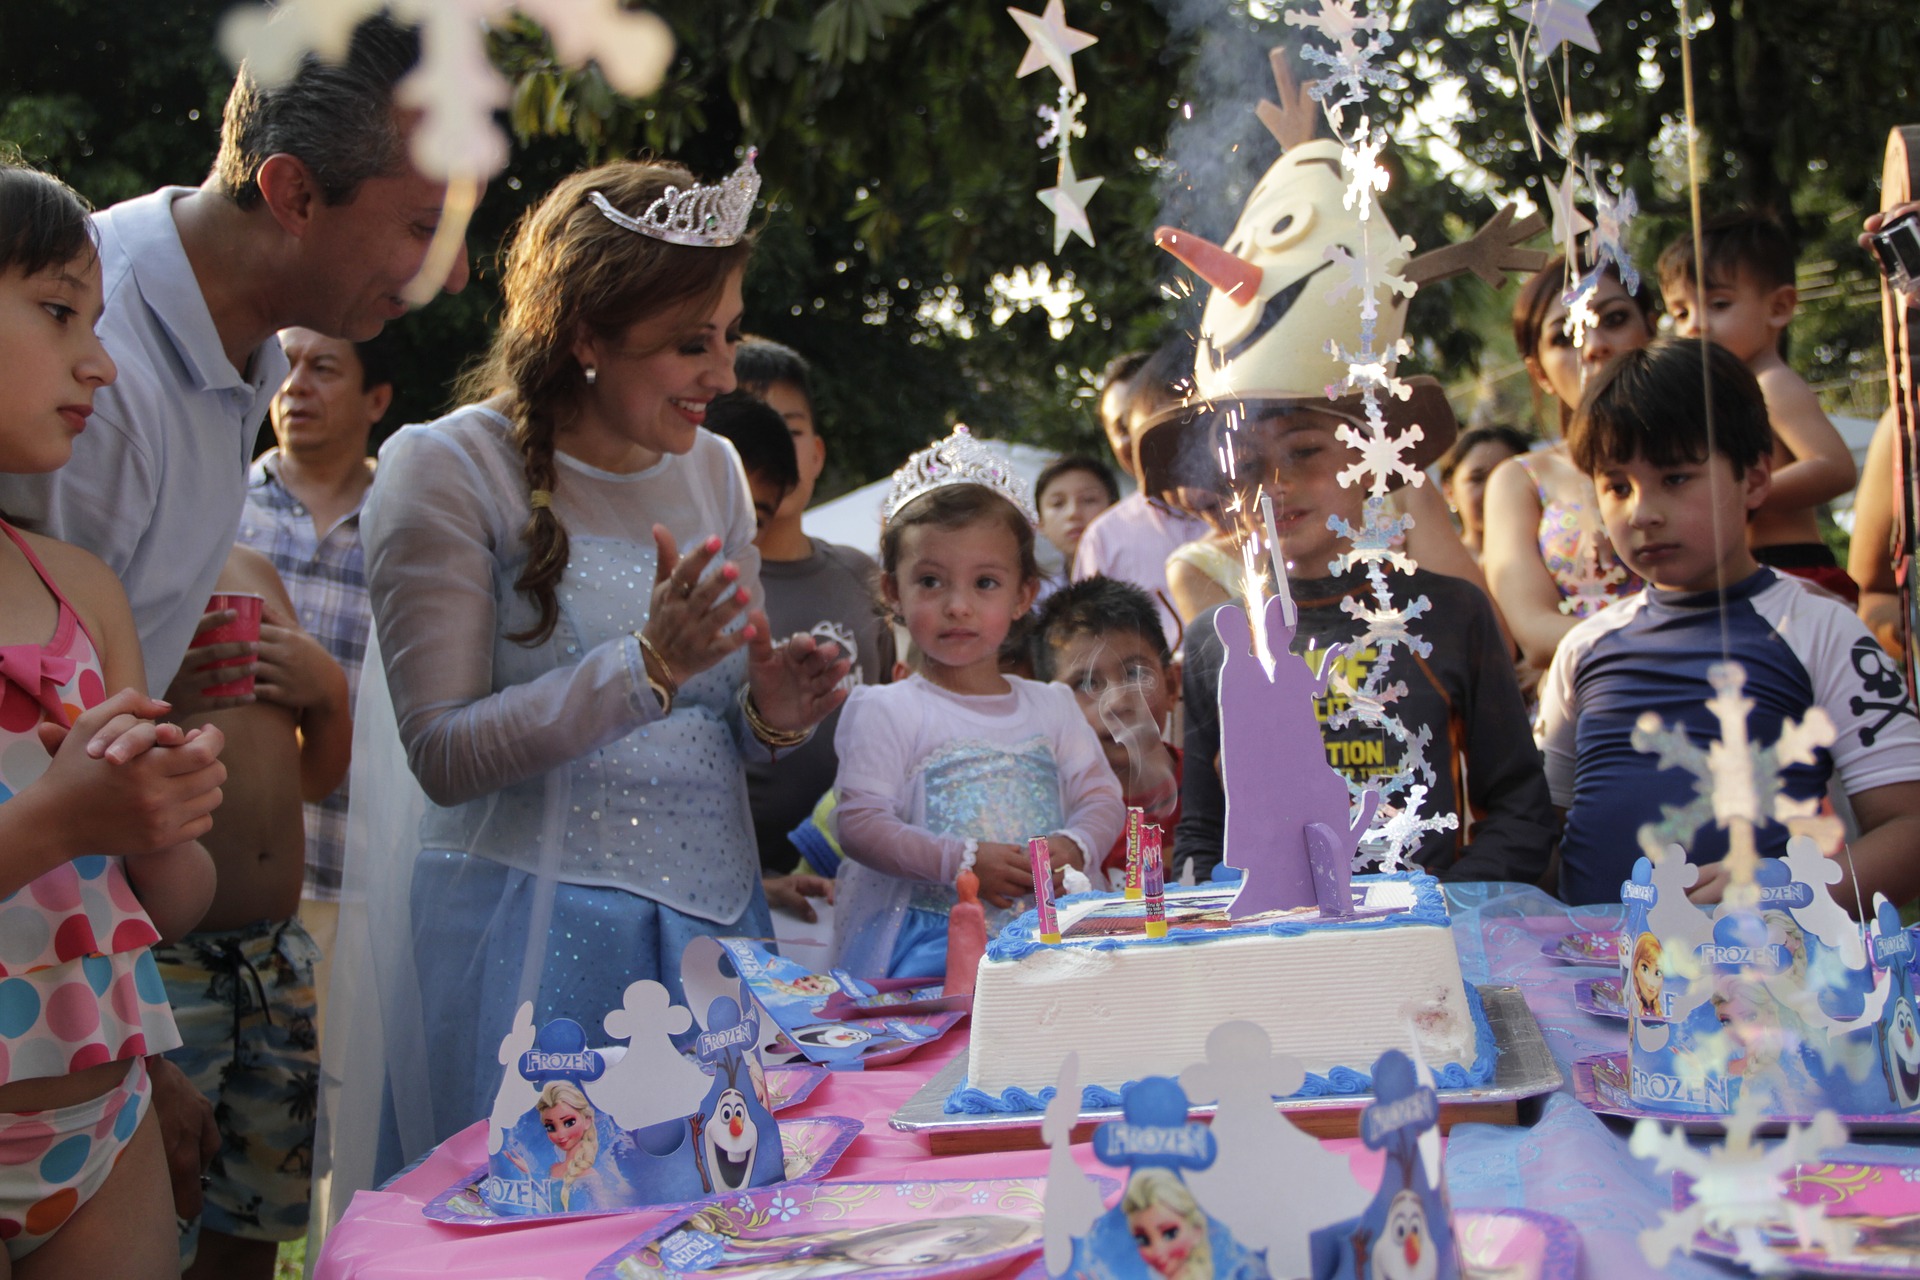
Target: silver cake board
1523 1068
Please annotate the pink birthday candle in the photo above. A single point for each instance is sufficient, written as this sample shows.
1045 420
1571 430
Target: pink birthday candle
1135 816
1042 861
1154 874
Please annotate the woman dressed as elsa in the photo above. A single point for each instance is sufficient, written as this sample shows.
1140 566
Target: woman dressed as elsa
566 603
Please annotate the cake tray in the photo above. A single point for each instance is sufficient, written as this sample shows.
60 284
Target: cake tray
1524 1068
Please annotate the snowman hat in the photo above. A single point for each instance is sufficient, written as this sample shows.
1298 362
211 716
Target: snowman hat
1284 297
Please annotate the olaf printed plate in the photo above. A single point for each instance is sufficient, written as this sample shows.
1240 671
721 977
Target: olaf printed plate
810 1148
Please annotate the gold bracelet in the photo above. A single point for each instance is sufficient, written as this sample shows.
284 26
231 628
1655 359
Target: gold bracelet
663 689
768 735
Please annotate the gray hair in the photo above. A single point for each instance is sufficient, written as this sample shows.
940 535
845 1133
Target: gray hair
338 119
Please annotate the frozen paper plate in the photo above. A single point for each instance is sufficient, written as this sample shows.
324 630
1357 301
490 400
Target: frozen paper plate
1600 1084
894 1230
1600 997
1584 946
810 1147
1875 1207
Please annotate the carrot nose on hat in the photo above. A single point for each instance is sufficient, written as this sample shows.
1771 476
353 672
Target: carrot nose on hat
1232 275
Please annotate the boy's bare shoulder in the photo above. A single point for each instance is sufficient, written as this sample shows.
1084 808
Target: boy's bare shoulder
246 570
1779 379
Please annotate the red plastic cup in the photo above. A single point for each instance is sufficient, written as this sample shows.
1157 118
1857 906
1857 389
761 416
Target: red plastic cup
245 626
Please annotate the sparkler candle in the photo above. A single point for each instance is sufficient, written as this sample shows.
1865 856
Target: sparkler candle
1135 816
1154 872
1042 861
1287 611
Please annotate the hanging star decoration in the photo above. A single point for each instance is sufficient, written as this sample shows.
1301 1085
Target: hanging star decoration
1616 210
1053 45
1051 42
1739 1187
1568 221
455 86
1737 783
1559 22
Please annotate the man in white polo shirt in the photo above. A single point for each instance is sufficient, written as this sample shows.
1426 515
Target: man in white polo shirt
313 216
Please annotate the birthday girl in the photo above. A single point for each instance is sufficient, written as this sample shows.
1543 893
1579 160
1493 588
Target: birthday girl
957 766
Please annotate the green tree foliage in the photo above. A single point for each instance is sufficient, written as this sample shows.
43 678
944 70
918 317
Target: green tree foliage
901 170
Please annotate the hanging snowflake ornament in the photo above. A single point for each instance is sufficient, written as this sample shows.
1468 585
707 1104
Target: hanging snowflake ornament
1558 22
1361 158
1736 783
455 86
1051 42
1376 269
1590 587
1063 121
1739 1188
1615 210
1358 40
1583 317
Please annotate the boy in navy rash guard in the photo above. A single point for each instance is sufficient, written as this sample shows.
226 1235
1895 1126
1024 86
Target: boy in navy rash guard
1675 507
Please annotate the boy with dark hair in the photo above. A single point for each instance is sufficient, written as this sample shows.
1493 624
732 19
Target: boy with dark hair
759 435
1101 638
818 588
1745 305
1676 500
1461 694
1070 493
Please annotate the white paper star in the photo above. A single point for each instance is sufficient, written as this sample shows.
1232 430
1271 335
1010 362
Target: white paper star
1067 199
1559 22
1568 221
1052 43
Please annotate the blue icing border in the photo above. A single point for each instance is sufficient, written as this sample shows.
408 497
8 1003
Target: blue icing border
1020 937
1338 1082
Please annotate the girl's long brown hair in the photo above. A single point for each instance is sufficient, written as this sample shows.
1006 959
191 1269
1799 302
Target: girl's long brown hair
571 272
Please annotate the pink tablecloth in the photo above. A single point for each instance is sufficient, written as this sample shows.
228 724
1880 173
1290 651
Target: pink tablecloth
383 1236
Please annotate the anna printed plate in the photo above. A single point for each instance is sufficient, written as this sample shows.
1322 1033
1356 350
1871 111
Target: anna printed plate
895 1230
1599 997
810 1148
1584 946
1872 1211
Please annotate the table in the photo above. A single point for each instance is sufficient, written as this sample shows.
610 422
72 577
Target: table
1568 1162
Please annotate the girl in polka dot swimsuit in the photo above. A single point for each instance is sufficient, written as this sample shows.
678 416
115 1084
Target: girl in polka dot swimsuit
100 805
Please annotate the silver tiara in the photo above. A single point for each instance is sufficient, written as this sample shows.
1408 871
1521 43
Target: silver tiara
703 217
959 459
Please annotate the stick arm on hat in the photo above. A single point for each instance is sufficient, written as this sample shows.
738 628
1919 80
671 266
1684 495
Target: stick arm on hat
1490 253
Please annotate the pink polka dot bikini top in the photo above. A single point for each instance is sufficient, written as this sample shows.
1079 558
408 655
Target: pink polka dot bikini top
84 909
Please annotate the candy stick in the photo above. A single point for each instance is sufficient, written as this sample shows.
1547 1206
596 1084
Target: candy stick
1154 873
1042 860
1135 816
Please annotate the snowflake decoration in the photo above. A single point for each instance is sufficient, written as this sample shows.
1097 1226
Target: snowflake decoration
784 1208
1358 40
1381 456
1389 626
1736 783
455 86
1361 158
1615 210
1373 541
1910 1173
980 1195
1369 370
1582 316
1063 121
1590 587
1739 1187
1376 268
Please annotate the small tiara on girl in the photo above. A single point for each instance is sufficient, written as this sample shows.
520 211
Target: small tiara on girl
702 217
959 459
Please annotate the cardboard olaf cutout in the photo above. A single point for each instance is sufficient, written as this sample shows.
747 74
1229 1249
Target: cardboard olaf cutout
599 1132
1405 1233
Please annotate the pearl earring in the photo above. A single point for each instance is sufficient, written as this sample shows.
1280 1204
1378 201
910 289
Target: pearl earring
592 374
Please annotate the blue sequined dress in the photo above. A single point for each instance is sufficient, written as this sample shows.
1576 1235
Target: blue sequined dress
572 840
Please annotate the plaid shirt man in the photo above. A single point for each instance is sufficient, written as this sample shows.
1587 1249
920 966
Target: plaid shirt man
326 577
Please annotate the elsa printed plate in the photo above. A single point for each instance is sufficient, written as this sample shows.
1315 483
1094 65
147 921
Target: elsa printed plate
810 1148
1584 946
895 1230
1600 997
1873 1209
